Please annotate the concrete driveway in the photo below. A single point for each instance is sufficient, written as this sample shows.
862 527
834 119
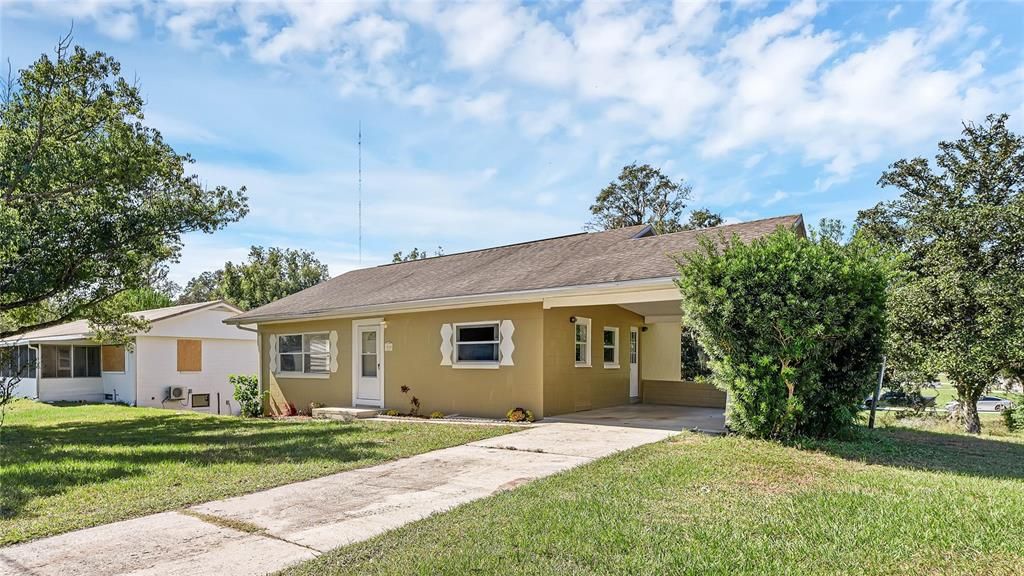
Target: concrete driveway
266 531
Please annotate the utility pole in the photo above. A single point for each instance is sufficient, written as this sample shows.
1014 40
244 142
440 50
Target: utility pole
878 392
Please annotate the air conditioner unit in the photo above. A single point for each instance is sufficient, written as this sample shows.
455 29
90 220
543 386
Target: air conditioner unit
177 393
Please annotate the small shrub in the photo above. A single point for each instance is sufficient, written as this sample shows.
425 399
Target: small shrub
1014 418
436 414
391 412
414 403
518 414
247 394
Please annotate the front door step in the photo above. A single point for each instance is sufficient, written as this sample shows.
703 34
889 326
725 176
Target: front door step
345 413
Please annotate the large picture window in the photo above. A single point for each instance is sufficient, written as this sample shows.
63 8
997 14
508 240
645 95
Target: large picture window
304 353
582 329
476 343
71 361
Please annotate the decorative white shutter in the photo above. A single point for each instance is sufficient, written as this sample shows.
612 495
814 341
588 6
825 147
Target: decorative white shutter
334 350
446 344
272 350
505 343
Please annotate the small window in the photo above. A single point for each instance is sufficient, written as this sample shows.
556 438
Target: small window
190 355
476 343
611 347
582 342
200 400
304 353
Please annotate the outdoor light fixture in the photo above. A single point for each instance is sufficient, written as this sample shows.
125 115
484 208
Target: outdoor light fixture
643 328
572 319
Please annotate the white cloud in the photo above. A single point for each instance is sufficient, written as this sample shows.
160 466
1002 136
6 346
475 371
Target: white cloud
539 123
381 38
311 27
477 34
722 79
487 107
775 198
115 19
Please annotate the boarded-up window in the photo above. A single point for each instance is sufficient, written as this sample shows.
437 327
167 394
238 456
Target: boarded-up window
113 358
190 355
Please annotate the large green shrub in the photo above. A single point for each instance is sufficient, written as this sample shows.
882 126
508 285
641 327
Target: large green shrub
793 328
247 394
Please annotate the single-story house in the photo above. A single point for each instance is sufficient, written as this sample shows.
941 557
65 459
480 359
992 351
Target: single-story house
559 325
182 361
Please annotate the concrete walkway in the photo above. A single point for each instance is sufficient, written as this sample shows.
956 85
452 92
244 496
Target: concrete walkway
266 531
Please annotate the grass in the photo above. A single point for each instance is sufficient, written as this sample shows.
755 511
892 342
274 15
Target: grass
65 468
897 500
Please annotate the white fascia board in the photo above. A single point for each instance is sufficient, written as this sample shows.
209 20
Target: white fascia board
601 299
520 297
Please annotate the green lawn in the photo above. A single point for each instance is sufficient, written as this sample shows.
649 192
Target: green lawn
64 468
893 501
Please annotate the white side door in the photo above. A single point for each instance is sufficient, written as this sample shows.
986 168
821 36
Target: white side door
369 368
634 368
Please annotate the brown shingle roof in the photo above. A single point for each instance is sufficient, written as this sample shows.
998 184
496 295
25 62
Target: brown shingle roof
575 260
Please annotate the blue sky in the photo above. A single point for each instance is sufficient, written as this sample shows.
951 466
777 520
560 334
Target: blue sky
489 123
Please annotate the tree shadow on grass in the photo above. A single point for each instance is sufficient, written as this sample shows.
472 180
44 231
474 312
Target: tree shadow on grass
932 451
40 461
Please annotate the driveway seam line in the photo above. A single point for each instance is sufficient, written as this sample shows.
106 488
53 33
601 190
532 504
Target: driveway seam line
207 518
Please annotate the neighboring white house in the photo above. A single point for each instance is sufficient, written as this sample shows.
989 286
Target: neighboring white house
187 348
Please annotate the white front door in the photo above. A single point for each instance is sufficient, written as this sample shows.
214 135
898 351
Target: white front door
368 366
634 368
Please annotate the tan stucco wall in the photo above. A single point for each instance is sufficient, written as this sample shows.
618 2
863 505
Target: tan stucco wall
415 361
568 388
660 345
336 390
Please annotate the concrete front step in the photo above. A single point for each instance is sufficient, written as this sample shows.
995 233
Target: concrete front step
345 413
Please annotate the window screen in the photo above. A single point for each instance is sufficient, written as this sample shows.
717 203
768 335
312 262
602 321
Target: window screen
476 343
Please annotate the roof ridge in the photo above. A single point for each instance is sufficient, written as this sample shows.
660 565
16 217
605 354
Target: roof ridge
798 217
539 240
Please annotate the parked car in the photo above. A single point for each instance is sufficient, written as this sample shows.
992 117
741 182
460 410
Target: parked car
901 398
985 404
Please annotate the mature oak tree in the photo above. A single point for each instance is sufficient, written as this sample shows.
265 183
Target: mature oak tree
640 195
703 218
91 199
956 305
269 274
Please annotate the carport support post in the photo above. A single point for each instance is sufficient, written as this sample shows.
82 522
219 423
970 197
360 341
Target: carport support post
878 392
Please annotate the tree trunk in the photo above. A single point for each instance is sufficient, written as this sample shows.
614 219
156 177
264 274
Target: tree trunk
969 416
